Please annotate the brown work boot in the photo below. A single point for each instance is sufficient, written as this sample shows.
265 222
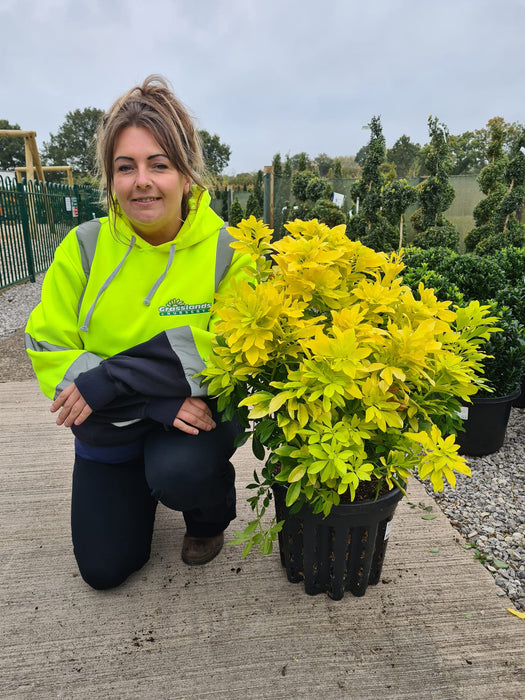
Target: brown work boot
201 550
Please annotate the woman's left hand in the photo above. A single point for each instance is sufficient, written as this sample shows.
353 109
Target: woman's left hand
72 405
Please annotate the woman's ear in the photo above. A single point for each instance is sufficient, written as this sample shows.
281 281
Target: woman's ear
187 186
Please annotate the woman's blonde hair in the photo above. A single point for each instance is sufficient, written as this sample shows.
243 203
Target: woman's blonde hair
153 106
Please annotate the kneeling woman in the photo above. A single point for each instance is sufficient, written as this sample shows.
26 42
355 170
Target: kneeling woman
123 326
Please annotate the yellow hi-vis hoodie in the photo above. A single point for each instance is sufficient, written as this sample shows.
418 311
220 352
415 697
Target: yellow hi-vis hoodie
130 322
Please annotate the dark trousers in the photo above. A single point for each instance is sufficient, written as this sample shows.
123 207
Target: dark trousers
113 505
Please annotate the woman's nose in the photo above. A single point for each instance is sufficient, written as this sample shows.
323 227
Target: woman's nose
142 177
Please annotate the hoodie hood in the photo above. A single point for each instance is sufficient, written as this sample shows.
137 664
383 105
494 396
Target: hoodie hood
201 223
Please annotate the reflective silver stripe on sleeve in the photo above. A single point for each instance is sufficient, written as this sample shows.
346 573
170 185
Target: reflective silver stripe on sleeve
183 344
41 345
86 361
224 255
87 237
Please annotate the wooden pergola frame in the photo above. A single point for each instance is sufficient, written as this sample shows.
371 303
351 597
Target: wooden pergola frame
48 168
31 151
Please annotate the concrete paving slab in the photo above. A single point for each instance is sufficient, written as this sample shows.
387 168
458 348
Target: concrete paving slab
436 627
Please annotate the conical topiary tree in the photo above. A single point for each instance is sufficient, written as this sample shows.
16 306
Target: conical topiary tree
502 181
236 213
397 196
435 193
369 224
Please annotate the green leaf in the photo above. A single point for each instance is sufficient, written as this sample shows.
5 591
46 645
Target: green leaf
241 439
434 550
499 563
265 429
257 448
429 516
292 494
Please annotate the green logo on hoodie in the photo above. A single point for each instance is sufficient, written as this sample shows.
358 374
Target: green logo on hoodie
176 307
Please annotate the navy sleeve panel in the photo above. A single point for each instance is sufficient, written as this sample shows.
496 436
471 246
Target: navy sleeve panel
151 369
99 427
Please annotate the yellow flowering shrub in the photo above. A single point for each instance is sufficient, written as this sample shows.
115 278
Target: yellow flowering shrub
339 374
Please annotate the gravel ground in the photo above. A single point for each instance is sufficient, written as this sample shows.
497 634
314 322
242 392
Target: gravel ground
488 509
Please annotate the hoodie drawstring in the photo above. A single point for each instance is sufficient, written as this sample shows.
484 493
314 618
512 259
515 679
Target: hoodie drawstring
87 320
147 300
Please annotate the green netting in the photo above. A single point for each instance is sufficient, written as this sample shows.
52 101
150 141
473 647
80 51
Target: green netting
460 211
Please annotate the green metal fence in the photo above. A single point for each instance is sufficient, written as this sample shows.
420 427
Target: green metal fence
34 219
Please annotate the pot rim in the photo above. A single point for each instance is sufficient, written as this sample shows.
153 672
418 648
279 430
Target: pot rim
495 399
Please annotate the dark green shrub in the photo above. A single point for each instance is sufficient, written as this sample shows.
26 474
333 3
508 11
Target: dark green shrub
329 213
318 188
512 261
513 297
300 182
435 258
443 288
236 213
513 235
505 370
476 277
445 236
253 207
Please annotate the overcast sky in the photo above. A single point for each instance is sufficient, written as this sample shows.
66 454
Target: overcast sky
271 76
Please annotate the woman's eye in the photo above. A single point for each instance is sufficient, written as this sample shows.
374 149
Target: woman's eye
123 168
160 166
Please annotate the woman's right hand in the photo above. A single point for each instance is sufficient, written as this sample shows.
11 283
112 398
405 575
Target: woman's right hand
194 415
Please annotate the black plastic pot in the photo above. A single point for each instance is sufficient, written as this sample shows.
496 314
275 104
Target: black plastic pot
485 422
342 552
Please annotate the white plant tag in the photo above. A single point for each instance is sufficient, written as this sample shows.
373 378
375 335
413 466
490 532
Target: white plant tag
388 528
463 413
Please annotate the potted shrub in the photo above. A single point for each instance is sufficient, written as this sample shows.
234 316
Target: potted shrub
485 420
346 384
491 280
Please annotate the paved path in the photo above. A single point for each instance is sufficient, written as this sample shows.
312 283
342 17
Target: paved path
435 628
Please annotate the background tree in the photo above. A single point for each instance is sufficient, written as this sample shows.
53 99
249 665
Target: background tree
323 163
255 203
287 172
502 180
253 207
404 155
369 223
277 165
397 196
338 168
236 213
302 162
74 142
435 193
467 151
360 156
216 154
12 151
258 190
224 204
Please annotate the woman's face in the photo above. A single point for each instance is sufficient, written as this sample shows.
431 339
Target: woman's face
147 185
